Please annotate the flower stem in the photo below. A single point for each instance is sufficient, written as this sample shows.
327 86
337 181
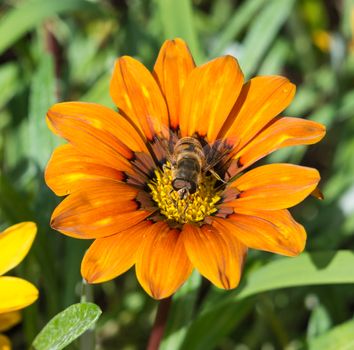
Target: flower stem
159 325
87 340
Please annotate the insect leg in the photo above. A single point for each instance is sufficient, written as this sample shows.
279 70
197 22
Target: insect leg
216 175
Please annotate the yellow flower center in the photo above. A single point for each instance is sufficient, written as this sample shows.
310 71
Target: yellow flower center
194 208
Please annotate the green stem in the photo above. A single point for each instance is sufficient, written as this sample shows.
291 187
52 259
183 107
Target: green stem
87 340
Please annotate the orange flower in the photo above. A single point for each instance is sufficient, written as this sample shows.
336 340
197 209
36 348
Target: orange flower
152 197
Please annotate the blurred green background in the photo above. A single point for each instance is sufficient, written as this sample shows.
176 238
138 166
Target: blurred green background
64 50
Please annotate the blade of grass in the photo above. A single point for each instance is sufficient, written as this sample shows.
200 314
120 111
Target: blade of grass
42 96
333 267
207 331
301 43
275 59
28 14
243 15
8 78
98 93
177 21
13 207
262 31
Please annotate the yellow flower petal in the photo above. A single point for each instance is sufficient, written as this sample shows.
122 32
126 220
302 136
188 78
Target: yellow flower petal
4 343
9 319
15 243
16 293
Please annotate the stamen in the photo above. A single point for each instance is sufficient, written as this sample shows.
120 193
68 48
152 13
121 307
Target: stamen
194 208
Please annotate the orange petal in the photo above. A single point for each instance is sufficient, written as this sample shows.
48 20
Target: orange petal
68 169
217 255
111 256
97 131
9 320
261 99
5 343
104 208
274 186
274 231
282 133
162 265
137 95
208 96
15 243
173 65
317 193
16 293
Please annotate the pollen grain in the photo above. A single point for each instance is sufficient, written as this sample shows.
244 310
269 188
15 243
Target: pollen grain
194 208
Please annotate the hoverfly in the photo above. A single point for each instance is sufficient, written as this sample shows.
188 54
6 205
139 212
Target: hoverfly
190 160
191 157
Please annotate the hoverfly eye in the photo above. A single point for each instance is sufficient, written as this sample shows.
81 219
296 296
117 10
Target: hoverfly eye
192 187
178 183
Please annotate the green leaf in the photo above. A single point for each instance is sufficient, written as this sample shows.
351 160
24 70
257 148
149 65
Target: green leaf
8 78
243 15
346 106
262 32
346 18
98 93
207 331
319 322
308 269
42 141
306 98
28 14
181 314
177 21
338 338
13 207
66 326
275 59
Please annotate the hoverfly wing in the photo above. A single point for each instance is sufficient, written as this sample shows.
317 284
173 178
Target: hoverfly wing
220 153
162 144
